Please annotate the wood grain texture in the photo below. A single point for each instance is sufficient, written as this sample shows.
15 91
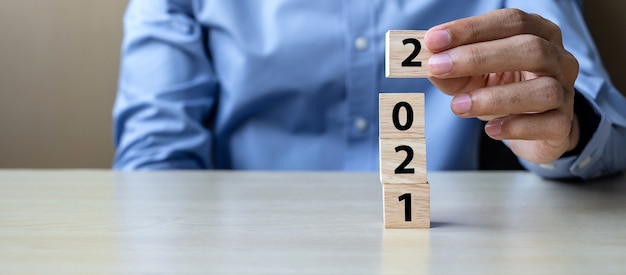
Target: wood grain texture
386 104
391 158
394 205
396 51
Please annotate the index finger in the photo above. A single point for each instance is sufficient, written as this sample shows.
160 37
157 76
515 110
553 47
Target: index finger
493 25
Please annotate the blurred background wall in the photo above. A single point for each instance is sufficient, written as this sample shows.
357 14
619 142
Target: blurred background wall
58 71
607 24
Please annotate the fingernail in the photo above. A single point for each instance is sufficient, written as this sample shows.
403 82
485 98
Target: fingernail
437 40
494 127
461 104
439 64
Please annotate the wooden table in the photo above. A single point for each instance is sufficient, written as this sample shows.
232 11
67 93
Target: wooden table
90 222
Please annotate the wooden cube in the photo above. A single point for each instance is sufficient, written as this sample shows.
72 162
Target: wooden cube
406 205
406 56
403 161
401 115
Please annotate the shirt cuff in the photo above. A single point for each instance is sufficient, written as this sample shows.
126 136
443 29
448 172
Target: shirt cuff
587 165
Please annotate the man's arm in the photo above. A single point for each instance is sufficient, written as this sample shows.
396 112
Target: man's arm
519 71
167 89
600 108
603 152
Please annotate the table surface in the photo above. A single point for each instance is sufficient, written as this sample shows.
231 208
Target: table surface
219 222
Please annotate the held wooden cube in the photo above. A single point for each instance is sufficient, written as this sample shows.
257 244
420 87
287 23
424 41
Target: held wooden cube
401 115
406 56
403 161
406 205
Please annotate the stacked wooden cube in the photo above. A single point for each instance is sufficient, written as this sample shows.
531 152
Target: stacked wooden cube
406 192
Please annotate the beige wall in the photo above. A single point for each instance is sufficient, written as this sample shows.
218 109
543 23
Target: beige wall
58 69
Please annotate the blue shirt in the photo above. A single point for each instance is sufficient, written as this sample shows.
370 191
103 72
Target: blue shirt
293 85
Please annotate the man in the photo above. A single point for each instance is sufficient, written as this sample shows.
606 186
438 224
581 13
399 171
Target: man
294 85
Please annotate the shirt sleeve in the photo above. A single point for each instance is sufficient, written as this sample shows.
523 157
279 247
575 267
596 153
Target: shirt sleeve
167 89
605 153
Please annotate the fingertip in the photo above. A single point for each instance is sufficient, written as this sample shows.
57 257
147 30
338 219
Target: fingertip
437 39
440 64
461 104
493 128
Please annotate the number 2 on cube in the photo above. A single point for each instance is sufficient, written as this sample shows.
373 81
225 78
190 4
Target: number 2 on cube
405 56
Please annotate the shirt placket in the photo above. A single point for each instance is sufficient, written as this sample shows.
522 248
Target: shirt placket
361 83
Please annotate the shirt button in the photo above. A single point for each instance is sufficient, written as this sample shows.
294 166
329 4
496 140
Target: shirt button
547 166
585 162
360 43
361 124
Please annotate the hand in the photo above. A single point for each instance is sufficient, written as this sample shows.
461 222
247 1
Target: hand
509 68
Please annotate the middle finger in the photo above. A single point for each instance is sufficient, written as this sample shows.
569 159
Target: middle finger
531 96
